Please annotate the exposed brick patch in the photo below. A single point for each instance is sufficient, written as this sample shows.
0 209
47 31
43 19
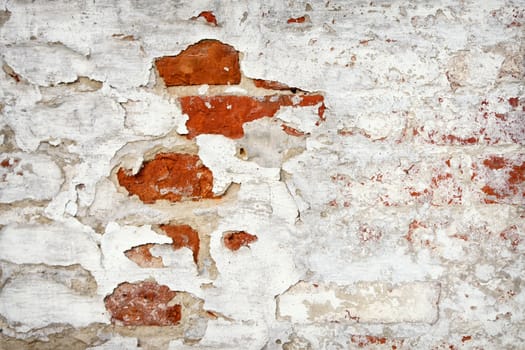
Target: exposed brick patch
225 115
142 304
141 255
501 179
273 85
183 236
301 19
291 131
514 101
10 162
208 16
170 176
206 62
466 338
234 240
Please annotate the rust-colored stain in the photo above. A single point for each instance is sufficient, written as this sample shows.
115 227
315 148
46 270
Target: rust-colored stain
183 236
206 62
208 17
142 304
225 115
170 176
301 19
237 239
141 255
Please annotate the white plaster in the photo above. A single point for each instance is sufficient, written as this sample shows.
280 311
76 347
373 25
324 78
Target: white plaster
367 302
22 303
218 154
221 334
117 342
56 244
118 268
385 70
29 176
148 114
303 119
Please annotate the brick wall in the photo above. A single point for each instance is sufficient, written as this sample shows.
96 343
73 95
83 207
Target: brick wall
262 175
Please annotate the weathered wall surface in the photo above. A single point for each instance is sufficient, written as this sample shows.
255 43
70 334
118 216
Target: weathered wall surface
262 175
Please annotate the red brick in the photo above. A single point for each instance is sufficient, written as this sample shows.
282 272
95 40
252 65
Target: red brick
466 338
141 255
237 239
142 304
291 131
514 101
225 115
183 236
271 85
170 176
206 62
208 17
301 19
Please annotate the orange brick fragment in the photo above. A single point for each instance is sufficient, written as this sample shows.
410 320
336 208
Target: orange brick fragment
225 115
206 62
271 85
170 176
183 236
237 239
141 255
142 304
208 16
291 131
301 19
514 101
